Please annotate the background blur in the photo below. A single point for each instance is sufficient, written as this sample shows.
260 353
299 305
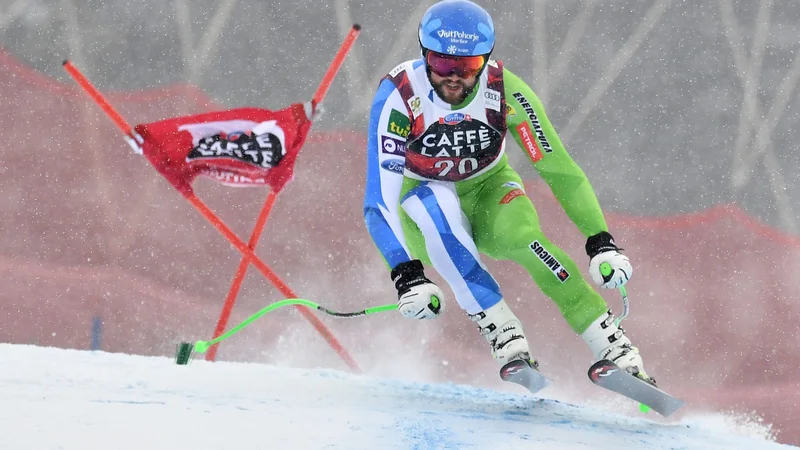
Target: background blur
683 114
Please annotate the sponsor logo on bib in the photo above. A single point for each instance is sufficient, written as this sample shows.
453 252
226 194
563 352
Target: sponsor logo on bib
454 118
550 261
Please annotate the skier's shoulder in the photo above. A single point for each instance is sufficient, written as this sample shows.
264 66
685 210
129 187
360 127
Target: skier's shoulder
519 89
405 68
388 100
496 63
401 75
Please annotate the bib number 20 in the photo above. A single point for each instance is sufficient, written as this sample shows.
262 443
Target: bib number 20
465 166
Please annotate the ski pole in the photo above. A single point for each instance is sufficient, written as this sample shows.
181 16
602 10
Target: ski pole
606 270
185 348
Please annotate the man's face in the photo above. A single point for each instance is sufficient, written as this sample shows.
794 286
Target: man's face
454 77
453 89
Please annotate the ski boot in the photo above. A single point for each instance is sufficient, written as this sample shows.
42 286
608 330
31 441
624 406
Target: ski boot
503 332
607 341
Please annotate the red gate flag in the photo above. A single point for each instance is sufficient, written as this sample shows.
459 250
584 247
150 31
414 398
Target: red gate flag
237 147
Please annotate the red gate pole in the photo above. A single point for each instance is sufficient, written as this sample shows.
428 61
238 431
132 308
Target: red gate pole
227 307
267 272
241 271
209 215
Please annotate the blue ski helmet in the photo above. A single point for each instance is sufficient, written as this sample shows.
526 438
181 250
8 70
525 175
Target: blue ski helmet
458 28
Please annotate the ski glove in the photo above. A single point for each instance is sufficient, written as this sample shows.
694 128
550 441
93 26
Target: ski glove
602 249
417 296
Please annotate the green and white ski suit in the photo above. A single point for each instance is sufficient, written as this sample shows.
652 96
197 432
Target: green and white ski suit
440 189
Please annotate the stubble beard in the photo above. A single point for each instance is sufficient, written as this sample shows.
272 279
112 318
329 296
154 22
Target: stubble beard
453 99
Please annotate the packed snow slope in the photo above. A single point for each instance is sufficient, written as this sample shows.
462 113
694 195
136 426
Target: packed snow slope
68 399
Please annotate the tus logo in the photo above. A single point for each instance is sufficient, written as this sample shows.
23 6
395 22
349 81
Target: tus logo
398 124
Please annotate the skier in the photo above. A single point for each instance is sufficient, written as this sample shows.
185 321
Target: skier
440 191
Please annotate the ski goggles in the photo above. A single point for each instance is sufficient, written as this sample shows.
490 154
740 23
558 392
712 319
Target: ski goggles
462 66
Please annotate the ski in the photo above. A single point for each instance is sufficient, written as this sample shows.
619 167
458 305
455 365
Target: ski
608 375
521 373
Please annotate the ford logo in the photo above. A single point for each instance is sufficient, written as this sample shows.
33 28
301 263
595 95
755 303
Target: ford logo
394 165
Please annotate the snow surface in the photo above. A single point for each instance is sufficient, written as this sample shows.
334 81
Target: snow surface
69 399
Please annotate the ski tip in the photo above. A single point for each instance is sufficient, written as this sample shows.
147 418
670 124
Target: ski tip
66 61
670 410
357 27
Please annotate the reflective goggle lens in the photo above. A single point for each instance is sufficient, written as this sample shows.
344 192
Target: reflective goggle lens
462 66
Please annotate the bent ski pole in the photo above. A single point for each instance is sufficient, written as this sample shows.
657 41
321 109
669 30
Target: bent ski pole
606 270
185 349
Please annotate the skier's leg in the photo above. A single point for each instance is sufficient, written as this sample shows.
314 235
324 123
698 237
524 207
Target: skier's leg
434 212
506 226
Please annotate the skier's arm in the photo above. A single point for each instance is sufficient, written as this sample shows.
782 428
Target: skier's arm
385 162
534 133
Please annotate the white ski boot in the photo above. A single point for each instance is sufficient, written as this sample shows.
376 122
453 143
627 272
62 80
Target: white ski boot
607 341
503 332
